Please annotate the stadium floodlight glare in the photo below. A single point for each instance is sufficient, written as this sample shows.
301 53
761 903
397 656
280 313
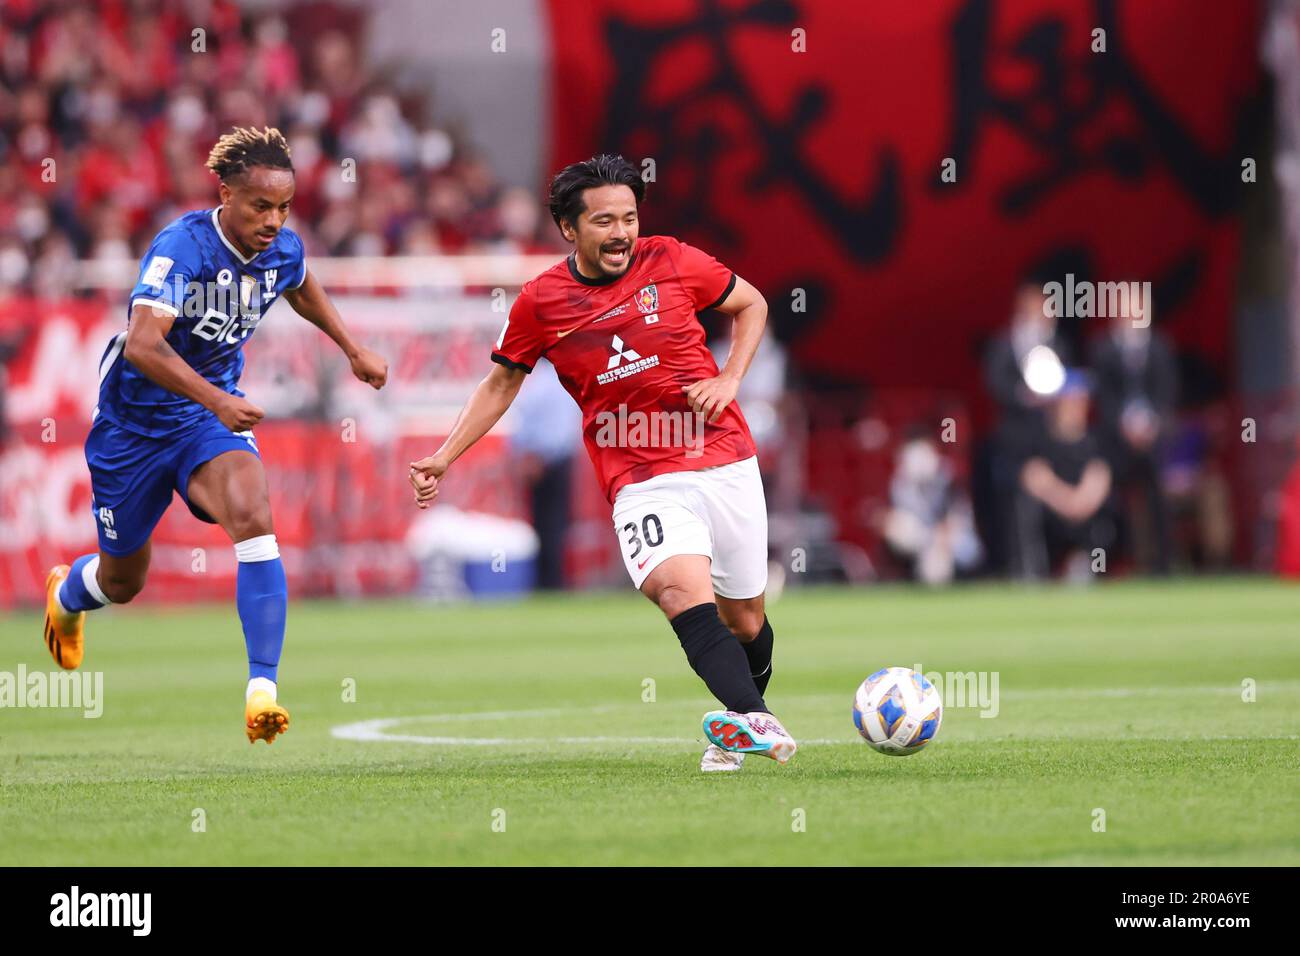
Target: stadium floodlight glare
1043 371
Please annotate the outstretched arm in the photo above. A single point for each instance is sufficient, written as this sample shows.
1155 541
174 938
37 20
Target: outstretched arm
310 301
483 410
746 304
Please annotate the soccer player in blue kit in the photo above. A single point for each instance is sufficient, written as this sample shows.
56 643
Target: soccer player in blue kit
172 418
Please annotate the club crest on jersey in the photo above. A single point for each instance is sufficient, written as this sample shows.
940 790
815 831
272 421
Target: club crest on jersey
247 289
250 302
647 300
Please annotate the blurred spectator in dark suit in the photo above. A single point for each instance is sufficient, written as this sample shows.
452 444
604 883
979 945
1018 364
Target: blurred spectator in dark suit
1065 483
1023 368
1137 393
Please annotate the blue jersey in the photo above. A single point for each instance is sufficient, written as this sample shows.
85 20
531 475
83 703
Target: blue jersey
218 297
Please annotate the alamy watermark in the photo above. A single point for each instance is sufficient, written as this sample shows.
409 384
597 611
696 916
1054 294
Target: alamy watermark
1088 300
967 689
634 428
76 690
133 911
245 299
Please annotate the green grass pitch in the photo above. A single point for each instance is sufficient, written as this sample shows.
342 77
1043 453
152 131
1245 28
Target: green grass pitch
1124 698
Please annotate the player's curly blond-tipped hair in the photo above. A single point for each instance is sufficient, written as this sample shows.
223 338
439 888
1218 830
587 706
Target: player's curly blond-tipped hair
245 147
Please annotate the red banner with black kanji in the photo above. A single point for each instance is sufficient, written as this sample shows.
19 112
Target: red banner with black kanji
803 143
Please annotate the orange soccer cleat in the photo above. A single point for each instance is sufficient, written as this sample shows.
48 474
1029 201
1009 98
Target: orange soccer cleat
265 719
63 632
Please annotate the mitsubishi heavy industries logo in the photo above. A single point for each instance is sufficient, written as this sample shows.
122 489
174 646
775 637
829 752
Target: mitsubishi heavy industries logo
624 353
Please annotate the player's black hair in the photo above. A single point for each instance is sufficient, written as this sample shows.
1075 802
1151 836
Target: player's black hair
245 147
603 170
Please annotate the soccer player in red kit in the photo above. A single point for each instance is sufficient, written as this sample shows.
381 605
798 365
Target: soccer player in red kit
618 320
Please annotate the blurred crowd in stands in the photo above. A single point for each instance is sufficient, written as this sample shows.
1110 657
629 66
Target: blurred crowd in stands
108 110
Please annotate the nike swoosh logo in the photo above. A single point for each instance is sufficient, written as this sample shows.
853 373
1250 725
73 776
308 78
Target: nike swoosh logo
642 564
560 335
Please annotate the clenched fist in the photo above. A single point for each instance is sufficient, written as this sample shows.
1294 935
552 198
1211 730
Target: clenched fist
238 414
369 367
425 475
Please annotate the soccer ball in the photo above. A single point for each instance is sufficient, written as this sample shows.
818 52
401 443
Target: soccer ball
897 711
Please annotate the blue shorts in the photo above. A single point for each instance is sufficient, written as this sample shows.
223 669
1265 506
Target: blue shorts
132 477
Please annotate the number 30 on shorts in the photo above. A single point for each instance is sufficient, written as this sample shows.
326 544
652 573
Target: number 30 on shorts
652 529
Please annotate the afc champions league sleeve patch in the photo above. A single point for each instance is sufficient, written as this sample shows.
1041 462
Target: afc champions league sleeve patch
155 274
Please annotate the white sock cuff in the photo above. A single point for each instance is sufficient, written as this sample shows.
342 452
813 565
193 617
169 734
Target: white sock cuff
261 548
260 683
88 578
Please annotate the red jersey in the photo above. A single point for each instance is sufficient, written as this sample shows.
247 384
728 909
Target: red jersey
624 348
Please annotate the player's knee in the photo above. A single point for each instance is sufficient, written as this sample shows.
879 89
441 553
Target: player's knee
745 623
673 599
121 589
249 518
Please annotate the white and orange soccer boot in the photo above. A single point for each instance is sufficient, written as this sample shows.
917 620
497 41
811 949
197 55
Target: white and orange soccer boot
753 733
717 760
263 717
64 632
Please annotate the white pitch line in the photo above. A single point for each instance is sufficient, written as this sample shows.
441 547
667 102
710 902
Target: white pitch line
373 731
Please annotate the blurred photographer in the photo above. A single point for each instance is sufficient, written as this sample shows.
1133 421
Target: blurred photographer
929 522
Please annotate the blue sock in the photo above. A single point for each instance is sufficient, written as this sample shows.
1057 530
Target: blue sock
74 595
262 596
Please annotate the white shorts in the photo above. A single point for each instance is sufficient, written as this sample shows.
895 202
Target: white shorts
717 512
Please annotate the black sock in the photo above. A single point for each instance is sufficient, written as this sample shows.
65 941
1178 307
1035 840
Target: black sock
759 652
716 655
